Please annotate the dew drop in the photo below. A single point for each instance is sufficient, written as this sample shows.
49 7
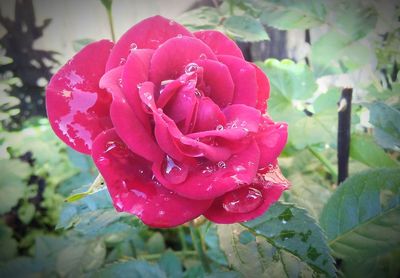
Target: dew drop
170 165
103 161
243 124
179 36
171 22
122 61
221 164
148 96
120 82
133 46
243 200
191 68
139 85
203 56
219 127
197 92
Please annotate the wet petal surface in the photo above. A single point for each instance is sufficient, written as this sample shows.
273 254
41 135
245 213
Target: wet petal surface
78 110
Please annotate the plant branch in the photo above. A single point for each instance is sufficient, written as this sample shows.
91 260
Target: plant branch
111 23
196 238
324 161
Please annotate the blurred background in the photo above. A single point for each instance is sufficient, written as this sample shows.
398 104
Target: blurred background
311 50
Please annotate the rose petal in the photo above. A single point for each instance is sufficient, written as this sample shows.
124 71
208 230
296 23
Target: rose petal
131 130
217 82
244 77
243 117
167 64
133 189
148 33
209 115
208 179
271 141
136 71
219 43
248 202
263 89
78 110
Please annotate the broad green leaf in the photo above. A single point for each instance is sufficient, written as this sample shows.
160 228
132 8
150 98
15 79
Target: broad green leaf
294 81
200 19
307 192
156 243
22 267
364 149
77 45
14 174
287 243
362 218
335 53
245 28
134 268
292 14
171 265
26 212
211 239
386 120
8 244
80 257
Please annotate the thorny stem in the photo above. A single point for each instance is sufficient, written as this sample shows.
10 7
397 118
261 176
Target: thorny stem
324 161
196 238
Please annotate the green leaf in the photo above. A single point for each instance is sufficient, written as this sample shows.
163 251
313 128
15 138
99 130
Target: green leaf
80 257
171 264
387 125
294 81
8 244
362 218
245 28
14 174
77 45
292 14
364 149
200 19
335 53
134 268
26 212
156 243
288 243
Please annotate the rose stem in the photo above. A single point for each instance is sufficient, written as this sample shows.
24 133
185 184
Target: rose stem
344 128
324 161
181 233
196 238
111 23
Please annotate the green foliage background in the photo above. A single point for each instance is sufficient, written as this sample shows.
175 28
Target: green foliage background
317 229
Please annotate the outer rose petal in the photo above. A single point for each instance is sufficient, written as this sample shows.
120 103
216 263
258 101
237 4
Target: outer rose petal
263 89
250 201
244 77
148 33
169 60
77 108
242 116
132 188
219 43
208 180
271 141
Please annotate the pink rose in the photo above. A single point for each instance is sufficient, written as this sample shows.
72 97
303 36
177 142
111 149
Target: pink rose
174 121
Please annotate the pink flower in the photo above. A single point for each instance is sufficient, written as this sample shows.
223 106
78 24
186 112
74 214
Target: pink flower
174 121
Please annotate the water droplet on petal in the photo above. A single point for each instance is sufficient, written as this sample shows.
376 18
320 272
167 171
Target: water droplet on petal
197 93
243 200
221 164
139 85
133 46
170 165
120 82
122 61
148 96
179 36
191 68
219 127
203 56
243 124
171 22
103 161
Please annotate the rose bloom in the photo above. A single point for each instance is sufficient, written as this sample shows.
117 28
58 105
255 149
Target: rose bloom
175 122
